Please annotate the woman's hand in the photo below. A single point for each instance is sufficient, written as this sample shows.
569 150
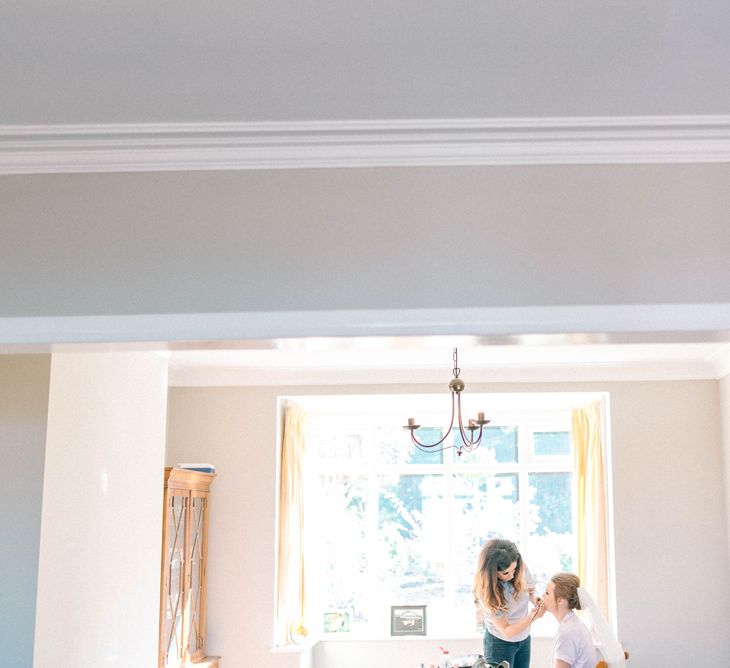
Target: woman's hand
538 611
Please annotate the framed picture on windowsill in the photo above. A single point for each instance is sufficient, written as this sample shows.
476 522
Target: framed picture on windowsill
337 621
408 620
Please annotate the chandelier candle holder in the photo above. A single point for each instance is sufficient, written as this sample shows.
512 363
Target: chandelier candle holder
470 442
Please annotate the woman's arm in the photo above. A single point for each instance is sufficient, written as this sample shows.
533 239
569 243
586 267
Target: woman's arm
560 664
509 630
529 583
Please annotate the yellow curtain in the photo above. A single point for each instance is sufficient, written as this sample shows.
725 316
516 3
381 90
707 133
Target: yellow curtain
590 481
290 573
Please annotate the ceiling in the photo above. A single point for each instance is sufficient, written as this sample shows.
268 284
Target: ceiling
79 62
150 77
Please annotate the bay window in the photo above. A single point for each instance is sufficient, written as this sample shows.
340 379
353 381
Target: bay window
386 524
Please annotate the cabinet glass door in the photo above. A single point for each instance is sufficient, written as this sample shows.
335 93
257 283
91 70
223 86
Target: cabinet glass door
196 563
175 531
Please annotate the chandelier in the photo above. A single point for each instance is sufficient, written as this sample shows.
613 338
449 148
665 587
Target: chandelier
468 443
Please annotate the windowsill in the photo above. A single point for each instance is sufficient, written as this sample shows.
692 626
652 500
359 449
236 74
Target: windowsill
349 637
305 648
310 641
295 648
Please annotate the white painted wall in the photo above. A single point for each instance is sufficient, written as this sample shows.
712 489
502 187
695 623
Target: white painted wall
669 501
99 564
23 410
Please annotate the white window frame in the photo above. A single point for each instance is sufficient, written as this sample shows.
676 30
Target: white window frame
527 420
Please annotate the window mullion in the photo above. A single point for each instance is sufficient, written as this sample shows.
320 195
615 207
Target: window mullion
523 458
448 469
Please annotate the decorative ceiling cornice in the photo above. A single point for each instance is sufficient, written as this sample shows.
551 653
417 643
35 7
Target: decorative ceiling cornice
45 149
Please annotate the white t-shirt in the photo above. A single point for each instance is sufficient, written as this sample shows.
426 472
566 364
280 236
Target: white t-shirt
517 608
574 644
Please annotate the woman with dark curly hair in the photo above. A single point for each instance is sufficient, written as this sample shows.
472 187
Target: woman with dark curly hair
503 588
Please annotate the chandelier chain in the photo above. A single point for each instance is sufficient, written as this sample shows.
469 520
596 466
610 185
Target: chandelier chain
457 370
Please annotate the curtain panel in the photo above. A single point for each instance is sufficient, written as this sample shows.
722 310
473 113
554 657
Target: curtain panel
590 486
290 575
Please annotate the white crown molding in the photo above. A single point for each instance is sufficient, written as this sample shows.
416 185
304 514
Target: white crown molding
44 149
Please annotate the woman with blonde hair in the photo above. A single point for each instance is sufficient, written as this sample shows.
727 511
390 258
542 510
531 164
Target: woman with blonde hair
503 588
574 643
573 646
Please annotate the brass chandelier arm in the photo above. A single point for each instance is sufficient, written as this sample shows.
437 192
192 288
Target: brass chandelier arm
428 447
470 442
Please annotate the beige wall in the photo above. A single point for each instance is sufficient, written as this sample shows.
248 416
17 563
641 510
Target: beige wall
23 410
669 509
725 416
234 429
669 520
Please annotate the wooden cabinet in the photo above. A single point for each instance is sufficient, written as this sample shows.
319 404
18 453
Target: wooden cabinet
184 563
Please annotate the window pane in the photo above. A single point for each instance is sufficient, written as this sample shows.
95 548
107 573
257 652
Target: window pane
338 508
550 525
485 506
499 445
411 543
336 445
381 532
396 446
551 443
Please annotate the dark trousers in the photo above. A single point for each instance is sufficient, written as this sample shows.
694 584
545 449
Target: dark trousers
517 653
